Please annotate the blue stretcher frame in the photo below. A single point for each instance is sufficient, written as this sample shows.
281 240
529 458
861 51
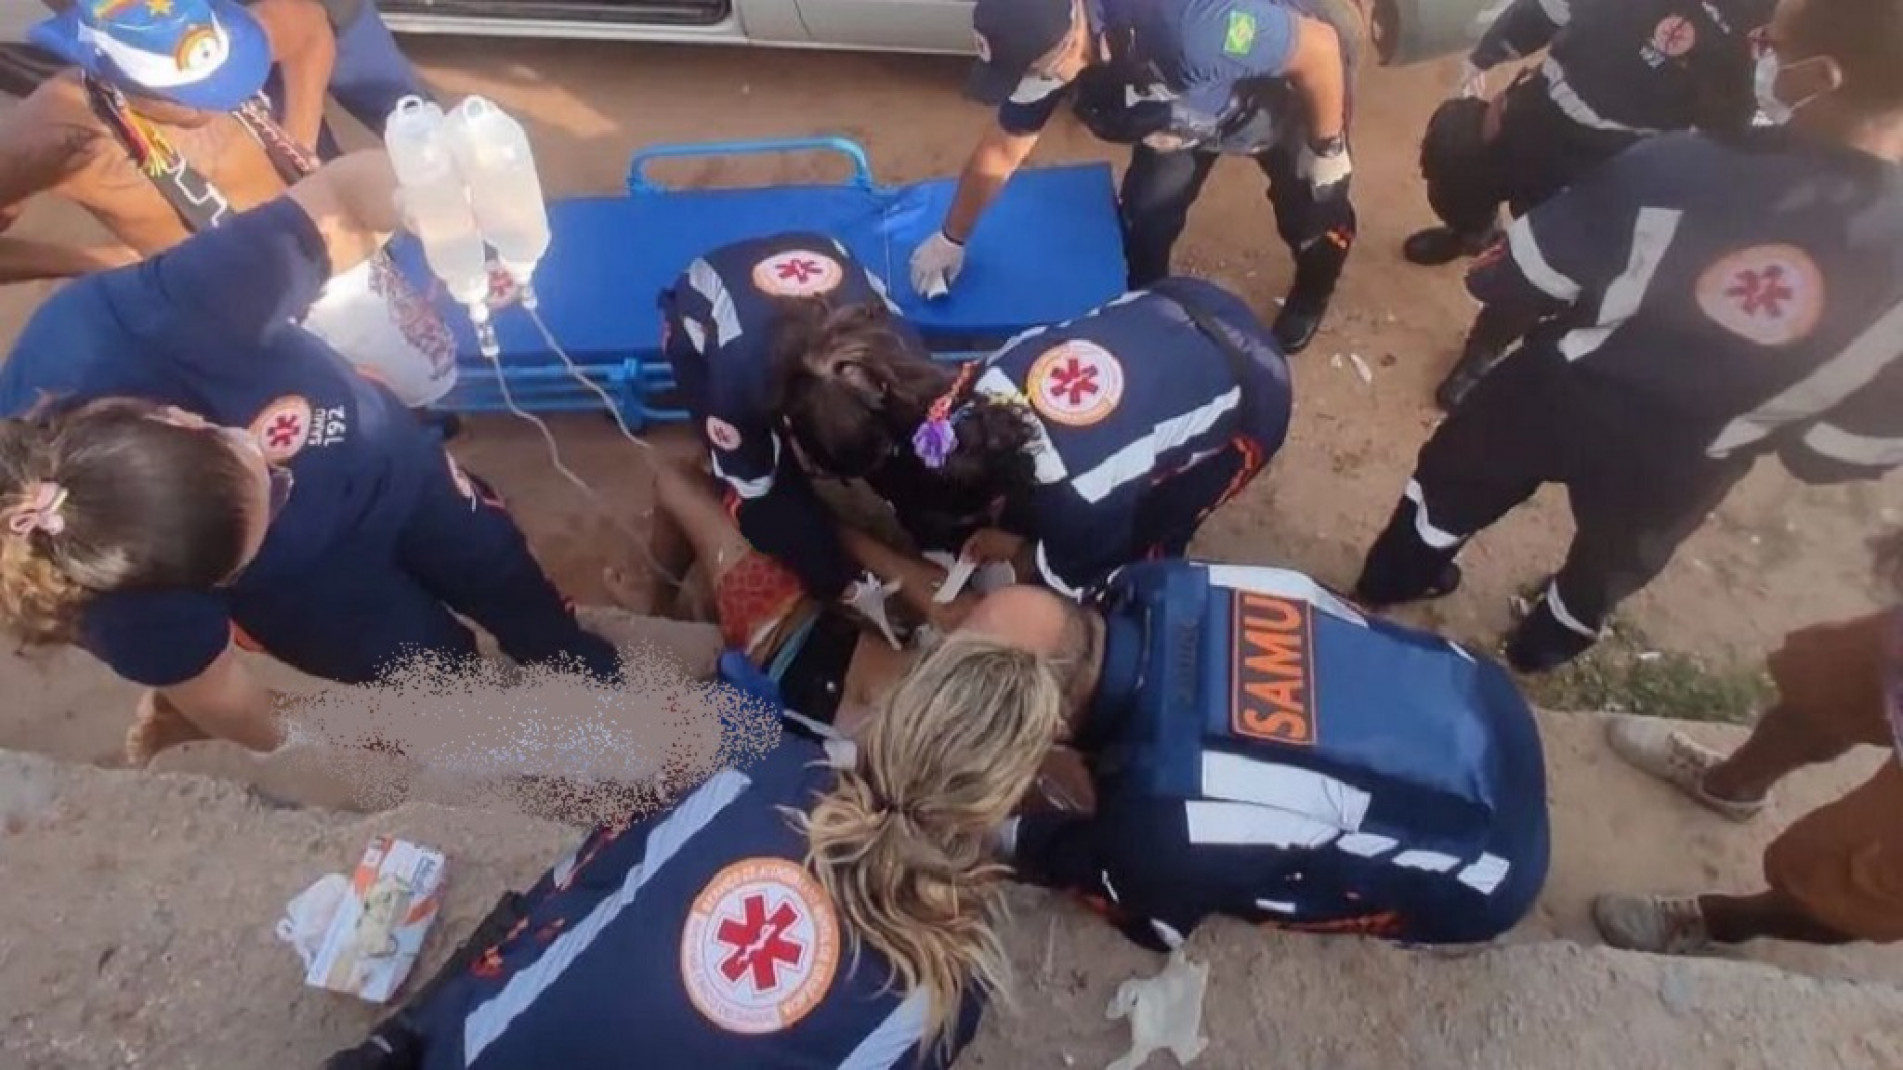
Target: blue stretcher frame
1050 249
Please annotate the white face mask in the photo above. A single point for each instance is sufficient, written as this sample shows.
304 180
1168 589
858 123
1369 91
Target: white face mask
1764 84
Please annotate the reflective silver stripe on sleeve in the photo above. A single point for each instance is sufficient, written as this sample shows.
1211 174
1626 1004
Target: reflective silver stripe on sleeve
708 283
1652 236
490 1020
1822 390
1569 101
1837 444
894 1038
1424 527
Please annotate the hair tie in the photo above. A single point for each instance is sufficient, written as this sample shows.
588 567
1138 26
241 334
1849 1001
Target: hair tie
887 807
935 439
41 511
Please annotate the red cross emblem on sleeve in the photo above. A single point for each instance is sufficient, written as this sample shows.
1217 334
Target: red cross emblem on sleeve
1076 383
760 946
798 273
282 428
1772 295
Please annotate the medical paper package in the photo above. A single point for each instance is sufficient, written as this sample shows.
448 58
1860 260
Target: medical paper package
380 922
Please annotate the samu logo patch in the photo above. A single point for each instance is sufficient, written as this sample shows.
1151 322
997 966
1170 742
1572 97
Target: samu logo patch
1240 37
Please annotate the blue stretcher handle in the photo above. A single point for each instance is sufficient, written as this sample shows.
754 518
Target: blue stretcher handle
637 166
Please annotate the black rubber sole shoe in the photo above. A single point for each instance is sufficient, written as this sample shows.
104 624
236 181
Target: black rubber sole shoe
1437 246
1447 583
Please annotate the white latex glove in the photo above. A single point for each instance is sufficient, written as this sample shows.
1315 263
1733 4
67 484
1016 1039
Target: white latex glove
1325 172
867 595
936 264
1473 81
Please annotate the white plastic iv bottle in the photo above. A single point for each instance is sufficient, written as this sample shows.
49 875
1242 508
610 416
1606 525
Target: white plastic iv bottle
494 154
435 200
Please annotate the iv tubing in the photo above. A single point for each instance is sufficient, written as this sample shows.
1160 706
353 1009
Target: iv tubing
555 459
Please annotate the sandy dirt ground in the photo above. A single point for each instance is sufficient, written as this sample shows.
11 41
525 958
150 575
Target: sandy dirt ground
142 908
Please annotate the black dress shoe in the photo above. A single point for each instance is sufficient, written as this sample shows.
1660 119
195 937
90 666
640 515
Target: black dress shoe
1295 326
1444 584
1443 245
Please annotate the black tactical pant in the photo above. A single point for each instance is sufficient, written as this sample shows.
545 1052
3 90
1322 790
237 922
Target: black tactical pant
1638 482
1159 187
1537 152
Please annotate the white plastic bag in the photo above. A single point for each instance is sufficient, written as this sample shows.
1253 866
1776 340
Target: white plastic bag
1165 1012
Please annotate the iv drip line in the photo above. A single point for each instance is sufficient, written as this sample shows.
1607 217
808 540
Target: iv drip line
555 460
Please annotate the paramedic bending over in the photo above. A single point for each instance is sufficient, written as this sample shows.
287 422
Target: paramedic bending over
820 908
181 468
728 320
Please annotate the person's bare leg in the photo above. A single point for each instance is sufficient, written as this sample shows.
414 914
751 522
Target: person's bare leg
1769 915
158 726
1779 744
691 502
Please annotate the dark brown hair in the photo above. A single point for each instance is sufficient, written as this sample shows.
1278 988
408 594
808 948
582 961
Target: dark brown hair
1865 37
148 505
848 384
853 392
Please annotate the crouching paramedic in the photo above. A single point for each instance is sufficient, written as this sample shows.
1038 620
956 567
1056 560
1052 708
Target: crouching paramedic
1263 750
1183 84
204 471
1765 264
828 906
726 321
1135 422
1615 71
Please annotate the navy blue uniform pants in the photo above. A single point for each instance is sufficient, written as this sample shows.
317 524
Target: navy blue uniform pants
373 604
1637 487
1159 187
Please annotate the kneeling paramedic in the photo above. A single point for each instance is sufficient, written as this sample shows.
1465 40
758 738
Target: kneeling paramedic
185 471
1763 267
725 321
1262 749
1183 84
1259 748
1616 71
1133 423
820 908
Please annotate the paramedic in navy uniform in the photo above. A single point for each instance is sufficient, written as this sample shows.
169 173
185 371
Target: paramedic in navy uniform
828 906
1616 71
1099 441
182 468
1182 83
726 321
1260 749
1696 304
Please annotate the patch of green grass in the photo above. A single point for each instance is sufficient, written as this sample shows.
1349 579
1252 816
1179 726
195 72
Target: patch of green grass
1623 674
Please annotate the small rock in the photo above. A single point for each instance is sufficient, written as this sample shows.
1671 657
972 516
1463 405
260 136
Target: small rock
1675 989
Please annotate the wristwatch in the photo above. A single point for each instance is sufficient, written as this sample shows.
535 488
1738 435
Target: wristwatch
1333 146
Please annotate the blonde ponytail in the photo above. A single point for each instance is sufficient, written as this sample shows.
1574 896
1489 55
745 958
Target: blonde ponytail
902 843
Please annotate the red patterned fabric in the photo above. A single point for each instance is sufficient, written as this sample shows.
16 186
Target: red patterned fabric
755 594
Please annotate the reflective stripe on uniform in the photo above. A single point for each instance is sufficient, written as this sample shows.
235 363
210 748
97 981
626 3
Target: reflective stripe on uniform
1834 442
1431 861
1282 583
1138 459
1652 235
1485 874
1525 250
749 489
707 282
489 1021
1423 527
1557 606
1834 380
1559 11
1285 787
1568 101
1241 824
894 1038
